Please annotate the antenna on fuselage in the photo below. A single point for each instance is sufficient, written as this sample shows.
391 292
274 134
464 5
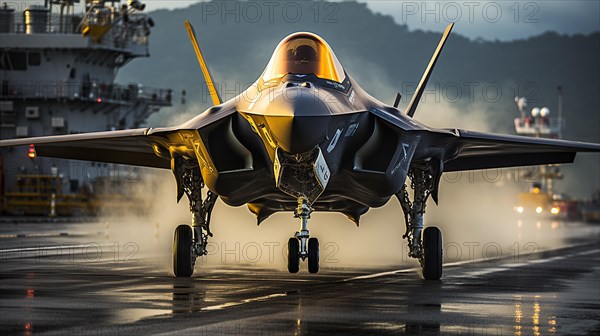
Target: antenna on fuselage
214 94
412 106
398 98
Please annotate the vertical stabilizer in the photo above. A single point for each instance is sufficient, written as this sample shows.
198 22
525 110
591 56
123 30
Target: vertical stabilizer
412 106
214 94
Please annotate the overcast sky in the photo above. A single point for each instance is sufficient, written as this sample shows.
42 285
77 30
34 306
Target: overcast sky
500 19
503 20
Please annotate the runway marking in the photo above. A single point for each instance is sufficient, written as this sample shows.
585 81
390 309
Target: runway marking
241 302
362 277
413 269
51 248
46 235
464 262
263 298
406 270
516 265
377 275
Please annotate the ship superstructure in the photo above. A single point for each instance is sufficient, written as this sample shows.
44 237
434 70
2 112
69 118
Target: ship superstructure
542 199
57 76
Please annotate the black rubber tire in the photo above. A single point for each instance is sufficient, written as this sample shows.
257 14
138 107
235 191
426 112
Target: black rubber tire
182 252
432 245
293 255
313 255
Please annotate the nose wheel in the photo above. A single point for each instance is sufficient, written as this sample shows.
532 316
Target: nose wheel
301 246
294 255
313 255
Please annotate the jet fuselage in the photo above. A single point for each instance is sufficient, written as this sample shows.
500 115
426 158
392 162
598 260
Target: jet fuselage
295 120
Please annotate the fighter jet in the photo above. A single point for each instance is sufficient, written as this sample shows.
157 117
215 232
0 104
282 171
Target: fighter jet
306 137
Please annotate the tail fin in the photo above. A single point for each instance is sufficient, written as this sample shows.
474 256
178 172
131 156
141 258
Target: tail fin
412 106
214 94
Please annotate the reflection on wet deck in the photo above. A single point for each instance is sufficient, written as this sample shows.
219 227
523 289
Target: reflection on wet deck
553 294
530 319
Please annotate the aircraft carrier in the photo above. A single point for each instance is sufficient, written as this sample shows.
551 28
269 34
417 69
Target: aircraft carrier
58 64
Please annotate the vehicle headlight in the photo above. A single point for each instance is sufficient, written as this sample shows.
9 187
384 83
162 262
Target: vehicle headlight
538 210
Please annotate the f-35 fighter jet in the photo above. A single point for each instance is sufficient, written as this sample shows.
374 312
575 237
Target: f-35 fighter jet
306 137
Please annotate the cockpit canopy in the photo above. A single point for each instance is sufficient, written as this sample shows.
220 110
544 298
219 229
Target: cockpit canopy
304 53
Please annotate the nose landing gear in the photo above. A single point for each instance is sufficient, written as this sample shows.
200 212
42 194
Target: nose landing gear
301 246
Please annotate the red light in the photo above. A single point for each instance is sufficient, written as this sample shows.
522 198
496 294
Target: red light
99 100
31 153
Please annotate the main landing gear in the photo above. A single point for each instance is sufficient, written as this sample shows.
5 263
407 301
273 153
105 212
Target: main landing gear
301 246
424 245
190 242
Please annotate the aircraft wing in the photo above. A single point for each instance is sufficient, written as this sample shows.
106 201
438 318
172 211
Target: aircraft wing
132 147
144 147
477 150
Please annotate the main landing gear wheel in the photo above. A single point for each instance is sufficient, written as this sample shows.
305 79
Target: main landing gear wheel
432 246
423 244
293 255
190 242
183 260
313 255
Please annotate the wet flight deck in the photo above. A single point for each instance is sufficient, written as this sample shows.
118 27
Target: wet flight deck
71 279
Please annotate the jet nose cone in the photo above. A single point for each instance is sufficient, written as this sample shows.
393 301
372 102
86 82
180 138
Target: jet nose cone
297 118
298 100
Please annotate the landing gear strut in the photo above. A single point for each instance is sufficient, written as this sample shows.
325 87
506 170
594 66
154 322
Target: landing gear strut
190 242
424 245
301 246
